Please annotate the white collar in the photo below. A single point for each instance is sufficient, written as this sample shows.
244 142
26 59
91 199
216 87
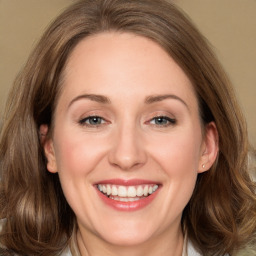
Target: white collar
188 250
67 252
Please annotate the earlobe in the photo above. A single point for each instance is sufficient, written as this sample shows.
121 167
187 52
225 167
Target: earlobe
48 149
210 148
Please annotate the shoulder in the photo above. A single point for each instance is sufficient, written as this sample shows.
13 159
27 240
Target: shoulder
191 251
66 252
3 252
249 250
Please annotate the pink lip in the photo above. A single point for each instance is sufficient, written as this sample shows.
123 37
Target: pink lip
127 206
132 182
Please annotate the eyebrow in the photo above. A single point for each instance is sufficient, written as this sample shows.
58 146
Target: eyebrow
92 97
149 100
157 98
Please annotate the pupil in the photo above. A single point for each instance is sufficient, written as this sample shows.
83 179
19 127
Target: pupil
95 120
160 120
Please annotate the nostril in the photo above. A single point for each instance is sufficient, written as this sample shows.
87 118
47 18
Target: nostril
126 160
127 151
126 163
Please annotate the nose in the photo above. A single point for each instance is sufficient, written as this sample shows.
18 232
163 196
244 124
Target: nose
127 151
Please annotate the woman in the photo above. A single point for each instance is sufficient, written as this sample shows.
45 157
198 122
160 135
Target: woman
122 136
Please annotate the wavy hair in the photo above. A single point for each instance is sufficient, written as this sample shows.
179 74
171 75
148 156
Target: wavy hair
221 215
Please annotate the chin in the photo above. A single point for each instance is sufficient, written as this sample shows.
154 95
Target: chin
124 239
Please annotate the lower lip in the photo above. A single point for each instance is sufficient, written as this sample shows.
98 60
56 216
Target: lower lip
128 206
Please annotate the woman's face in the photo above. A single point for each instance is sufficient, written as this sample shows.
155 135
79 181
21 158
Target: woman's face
127 142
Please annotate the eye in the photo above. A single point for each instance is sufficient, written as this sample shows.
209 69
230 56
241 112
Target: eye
92 121
162 121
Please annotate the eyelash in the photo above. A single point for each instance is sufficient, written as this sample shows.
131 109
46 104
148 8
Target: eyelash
167 121
90 118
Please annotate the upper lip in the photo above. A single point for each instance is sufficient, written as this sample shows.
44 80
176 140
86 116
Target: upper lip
126 182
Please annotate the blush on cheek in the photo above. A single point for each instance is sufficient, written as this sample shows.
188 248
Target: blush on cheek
178 156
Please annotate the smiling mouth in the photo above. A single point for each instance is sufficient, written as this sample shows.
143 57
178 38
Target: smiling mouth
127 193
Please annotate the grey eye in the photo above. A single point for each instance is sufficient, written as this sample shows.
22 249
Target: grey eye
162 120
92 120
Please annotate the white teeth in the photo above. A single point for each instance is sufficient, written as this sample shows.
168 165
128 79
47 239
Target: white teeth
114 191
134 192
145 191
125 199
100 188
109 190
140 191
131 192
122 191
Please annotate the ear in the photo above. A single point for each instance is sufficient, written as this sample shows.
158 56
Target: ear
47 144
209 148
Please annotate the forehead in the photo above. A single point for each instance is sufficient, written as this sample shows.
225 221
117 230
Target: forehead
123 63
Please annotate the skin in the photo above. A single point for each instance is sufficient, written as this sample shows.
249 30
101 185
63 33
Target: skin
128 143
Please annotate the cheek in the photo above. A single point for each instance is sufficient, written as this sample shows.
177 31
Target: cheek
178 157
77 155
178 154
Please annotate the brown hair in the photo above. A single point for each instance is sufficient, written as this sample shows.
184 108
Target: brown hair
221 215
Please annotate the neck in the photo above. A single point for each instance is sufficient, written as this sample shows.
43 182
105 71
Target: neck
165 244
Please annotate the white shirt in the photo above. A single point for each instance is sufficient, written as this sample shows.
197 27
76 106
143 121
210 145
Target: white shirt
188 250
